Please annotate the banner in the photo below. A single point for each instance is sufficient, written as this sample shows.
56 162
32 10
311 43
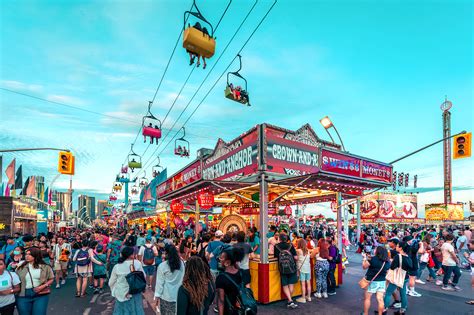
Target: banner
232 160
440 211
19 178
291 153
389 206
349 165
185 177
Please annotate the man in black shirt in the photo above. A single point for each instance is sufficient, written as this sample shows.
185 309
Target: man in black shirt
288 280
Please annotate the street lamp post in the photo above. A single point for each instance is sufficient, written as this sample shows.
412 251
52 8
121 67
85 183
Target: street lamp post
327 123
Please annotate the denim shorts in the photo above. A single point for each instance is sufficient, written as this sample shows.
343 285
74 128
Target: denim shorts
149 270
305 276
376 286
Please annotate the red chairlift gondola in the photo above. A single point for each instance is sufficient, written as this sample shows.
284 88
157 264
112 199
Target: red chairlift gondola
124 169
151 126
113 197
181 145
236 93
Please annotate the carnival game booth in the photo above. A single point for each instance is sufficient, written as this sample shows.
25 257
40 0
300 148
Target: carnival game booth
284 168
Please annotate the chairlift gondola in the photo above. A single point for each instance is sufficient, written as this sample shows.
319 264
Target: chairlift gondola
134 190
123 178
134 160
151 126
113 197
143 181
117 187
197 40
124 169
156 169
236 93
181 145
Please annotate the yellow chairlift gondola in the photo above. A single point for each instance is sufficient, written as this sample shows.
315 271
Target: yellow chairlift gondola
134 160
197 40
117 187
237 93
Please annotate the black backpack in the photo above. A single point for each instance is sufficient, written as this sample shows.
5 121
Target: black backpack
136 280
286 261
246 303
338 258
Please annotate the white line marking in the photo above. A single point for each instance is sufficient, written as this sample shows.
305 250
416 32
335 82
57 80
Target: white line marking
87 311
94 298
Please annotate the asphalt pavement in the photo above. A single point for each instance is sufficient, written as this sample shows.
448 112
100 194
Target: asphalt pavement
348 299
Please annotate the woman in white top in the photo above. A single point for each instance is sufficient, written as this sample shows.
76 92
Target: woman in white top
9 285
304 270
125 303
36 278
169 278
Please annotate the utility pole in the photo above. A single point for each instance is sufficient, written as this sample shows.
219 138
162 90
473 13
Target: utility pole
448 184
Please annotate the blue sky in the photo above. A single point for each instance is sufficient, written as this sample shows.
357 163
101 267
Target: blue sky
379 69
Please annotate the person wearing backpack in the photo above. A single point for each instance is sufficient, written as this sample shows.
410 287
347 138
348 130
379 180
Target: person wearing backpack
202 247
126 303
100 271
146 255
333 259
83 269
230 285
287 258
113 252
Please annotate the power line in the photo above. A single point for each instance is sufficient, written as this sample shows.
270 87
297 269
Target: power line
218 79
66 105
147 164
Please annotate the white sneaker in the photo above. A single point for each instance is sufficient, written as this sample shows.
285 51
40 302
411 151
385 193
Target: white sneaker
317 295
439 282
413 293
397 305
325 295
308 298
301 300
57 286
419 281
63 282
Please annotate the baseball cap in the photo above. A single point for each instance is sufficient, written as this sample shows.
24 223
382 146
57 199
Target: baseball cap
219 233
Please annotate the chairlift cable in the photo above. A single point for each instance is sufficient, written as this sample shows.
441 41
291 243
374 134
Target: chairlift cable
147 164
223 14
224 72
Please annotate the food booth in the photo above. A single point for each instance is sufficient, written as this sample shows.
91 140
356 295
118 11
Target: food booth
281 167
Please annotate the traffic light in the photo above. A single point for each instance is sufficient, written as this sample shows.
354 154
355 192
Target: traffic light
462 146
66 163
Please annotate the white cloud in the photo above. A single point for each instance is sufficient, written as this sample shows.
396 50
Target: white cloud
21 86
69 100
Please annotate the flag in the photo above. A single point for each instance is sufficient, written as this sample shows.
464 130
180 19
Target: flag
31 190
7 191
1 188
25 187
19 178
10 171
1 170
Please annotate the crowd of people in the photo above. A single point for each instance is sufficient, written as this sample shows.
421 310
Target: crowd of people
406 253
209 272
